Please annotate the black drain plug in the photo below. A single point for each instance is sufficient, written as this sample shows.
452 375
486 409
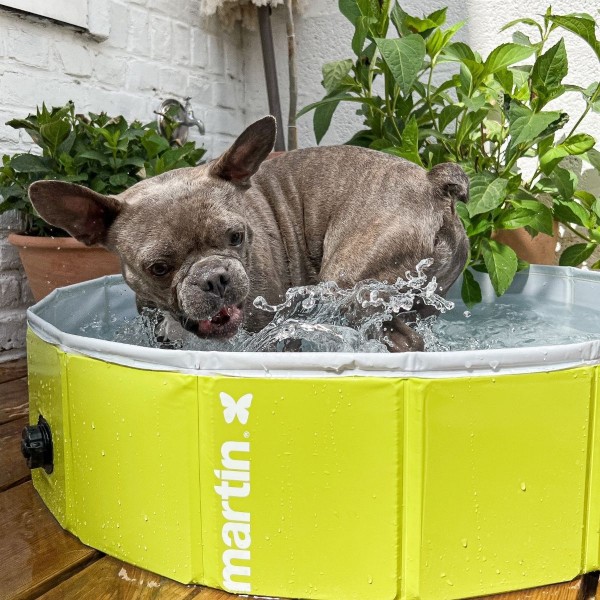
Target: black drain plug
36 446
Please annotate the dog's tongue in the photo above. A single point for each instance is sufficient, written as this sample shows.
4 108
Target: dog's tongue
223 316
221 320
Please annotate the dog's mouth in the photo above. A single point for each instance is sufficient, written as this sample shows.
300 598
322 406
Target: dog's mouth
222 325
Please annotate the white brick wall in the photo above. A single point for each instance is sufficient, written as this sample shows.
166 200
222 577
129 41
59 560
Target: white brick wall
155 49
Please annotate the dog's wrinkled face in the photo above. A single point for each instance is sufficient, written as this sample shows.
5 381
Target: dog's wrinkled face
182 237
185 250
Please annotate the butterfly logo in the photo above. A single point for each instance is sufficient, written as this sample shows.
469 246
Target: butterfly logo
235 409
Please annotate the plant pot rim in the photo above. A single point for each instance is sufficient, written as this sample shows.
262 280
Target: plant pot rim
22 240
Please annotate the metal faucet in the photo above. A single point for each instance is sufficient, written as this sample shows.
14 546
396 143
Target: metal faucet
189 119
182 117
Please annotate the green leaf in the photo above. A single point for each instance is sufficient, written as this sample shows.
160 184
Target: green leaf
360 34
579 143
525 126
593 157
485 194
91 154
119 180
470 290
417 25
398 16
55 133
573 145
447 115
322 119
584 27
525 21
565 181
548 72
569 211
574 255
505 55
404 57
30 163
334 73
337 98
350 9
409 146
528 213
457 52
501 264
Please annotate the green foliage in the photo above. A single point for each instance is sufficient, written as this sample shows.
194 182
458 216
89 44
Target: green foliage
105 154
486 115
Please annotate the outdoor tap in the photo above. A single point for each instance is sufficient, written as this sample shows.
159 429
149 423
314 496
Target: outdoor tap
190 120
175 117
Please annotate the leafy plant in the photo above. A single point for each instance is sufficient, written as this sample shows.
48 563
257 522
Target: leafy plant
487 116
105 154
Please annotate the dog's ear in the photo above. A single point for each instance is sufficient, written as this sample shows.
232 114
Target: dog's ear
83 213
451 181
242 160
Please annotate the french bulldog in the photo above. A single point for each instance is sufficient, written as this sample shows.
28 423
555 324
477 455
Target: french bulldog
202 243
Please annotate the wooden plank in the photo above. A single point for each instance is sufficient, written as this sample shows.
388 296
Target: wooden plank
35 552
111 579
13 468
570 590
15 369
14 401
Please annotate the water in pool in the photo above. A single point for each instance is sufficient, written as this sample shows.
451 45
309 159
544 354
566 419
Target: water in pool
315 318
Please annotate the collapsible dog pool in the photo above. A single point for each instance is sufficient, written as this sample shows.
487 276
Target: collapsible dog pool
322 476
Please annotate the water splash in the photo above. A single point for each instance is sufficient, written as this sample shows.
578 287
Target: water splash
328 318
311 318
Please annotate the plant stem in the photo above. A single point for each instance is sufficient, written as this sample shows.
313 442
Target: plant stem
578 233
587 110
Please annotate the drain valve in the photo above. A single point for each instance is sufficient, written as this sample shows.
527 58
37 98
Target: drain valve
36 446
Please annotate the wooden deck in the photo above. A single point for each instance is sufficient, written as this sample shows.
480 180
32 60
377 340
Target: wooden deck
38 559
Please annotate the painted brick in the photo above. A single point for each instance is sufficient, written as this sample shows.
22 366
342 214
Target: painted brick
99 19
181 44
226 122
138 41
173 81
222 96
111 71
9 256
142 75
11 221
12 329
199 49
26 295
216 56
24 91
161 38
199 90
10 290
7 134
119 25
74 58
27 47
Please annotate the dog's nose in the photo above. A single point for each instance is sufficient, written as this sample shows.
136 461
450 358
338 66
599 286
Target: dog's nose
215 282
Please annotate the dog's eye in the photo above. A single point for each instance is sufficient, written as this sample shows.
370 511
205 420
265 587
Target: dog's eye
236 238
159 269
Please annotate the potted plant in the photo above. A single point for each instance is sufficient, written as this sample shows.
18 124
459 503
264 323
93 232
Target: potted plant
103 153
487 116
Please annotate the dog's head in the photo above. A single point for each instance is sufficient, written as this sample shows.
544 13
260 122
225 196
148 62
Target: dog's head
183 237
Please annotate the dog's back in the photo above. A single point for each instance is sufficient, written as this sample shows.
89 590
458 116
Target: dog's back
350 213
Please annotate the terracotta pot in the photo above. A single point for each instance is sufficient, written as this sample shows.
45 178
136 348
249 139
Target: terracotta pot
539 250
52 262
